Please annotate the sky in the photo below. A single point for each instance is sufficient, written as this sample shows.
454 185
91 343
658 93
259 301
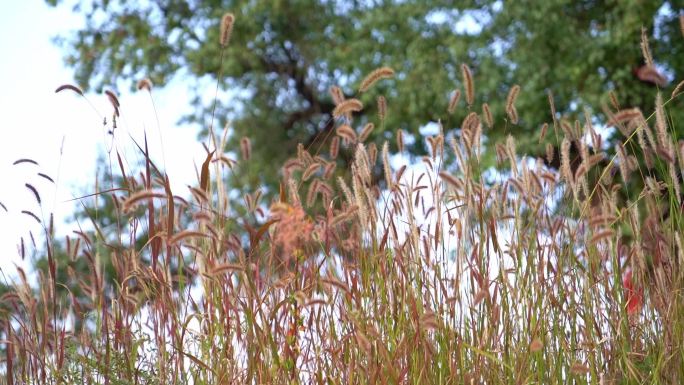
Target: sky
63 132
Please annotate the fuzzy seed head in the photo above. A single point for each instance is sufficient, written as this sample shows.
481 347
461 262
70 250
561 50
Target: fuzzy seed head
310 171
552 105
513 115
487 113
347 133
677 90
512 96
549 152
349 105
645 48
400 140
145 84
366 131
565 160
336 94
382 108
613 100
373 77
661 123
334 147
453 101
468 83
246 148
226 28
544 129
386 165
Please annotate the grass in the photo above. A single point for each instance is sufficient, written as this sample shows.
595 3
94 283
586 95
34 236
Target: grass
448 272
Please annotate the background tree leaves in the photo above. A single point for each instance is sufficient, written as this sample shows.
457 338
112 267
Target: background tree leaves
284 56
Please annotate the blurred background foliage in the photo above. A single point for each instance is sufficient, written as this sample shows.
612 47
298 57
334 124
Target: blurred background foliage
285 55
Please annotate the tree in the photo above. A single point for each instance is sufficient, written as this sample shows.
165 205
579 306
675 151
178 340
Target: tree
285 55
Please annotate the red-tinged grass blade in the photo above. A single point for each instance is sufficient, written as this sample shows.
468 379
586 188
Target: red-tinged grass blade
171 209
494 239
383 241
147 158
105 331
634 295
156 241
204 175
283 193
123 170
60 355
170 215
255 237
9 355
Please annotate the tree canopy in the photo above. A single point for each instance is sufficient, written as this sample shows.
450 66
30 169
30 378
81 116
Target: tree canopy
284 56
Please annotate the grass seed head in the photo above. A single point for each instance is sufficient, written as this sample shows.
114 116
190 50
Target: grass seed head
347 106
374 77
227 22
468 84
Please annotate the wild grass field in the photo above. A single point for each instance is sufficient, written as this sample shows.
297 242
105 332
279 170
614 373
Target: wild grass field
450 270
